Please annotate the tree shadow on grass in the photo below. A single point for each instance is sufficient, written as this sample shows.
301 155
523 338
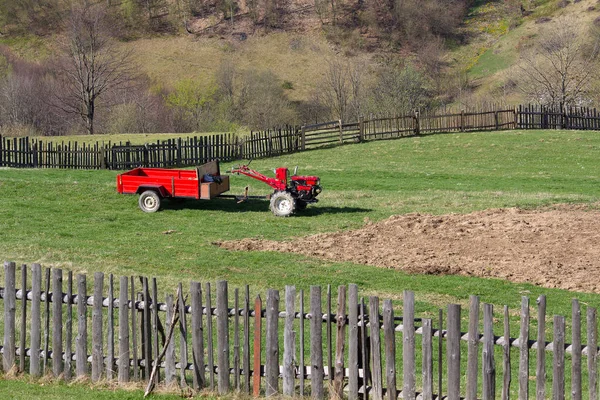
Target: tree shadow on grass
231 205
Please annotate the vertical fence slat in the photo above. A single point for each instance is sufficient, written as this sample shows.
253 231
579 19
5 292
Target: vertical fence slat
592 354
524 350
473 349
183 347
123 368
353 354
97 352
328 331
197 336
222 337
488 363
338 382
576 350
257 346
408 347
69 327
540 371
301 358
288 342
453 350
209 338
36 289
427 366
506 357
23 330
10 299
236 340
375 342
155 321
558 371
316 343
272 344
246 362
364 359
46 321
146 334
81 366
134 344
57 344
110 333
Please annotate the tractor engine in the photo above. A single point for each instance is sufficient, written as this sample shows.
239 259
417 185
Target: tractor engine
305 188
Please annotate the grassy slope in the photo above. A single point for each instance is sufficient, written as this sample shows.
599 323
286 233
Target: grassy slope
75 220
297 58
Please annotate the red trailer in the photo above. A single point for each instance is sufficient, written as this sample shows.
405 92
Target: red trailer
155 184
290 193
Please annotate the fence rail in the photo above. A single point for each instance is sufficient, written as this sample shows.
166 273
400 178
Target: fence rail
364 348
37 153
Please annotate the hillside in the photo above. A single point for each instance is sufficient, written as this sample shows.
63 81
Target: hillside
219 66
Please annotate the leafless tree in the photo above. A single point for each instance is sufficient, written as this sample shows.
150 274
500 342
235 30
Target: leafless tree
91 64
558 71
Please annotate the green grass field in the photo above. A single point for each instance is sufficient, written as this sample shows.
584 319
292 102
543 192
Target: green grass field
75 219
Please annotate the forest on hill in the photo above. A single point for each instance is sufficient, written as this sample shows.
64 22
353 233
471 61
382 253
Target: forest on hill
116 66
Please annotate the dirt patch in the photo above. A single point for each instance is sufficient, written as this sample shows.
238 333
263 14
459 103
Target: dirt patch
554 247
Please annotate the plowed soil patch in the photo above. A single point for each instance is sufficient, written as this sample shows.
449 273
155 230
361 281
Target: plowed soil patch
558 247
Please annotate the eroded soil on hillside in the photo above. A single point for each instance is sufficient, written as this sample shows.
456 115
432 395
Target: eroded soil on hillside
552 247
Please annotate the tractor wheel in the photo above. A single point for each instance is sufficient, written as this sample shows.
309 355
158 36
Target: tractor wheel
149 201
283 204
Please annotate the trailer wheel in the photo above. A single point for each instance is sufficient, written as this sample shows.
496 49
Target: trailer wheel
283 204
149 201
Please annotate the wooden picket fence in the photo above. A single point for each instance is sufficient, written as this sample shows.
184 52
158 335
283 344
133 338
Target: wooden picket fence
37 153
226 348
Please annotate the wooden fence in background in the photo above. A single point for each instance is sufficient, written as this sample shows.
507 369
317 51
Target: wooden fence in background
285 346
37 153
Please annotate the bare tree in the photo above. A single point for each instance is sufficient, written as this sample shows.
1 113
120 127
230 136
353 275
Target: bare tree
91 64
558 71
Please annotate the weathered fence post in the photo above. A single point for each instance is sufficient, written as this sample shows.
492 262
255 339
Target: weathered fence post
257 346
540 373
506 357
57 346
352 342
558 372
427 364
316 343
69 328
361 128
417 122
81 340
10 299
592 344
408 348
575 350
473 349
488 363
97 352
524 350
375 341
462 120
302 138
170 369
338 382
288 342
197 336
36 322
183 347
272 344
222 337
123 368
453 349
341 129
